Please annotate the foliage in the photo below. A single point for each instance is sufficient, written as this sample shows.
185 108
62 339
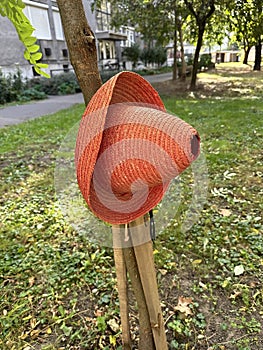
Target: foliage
14 88
13 10
132 54
60 84
146 16
205 61
246 20
58 290
152 55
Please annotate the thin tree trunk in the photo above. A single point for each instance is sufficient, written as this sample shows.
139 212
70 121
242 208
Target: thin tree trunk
82 46
257 65
183 73
201 30
246 50
175 70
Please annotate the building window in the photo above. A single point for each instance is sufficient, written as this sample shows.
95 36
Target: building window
65 68
65 53
131 37
103 21
58 24
103 16
107 50
38 16
48 51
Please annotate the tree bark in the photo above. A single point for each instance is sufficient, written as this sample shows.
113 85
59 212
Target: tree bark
201 30
257 64
183 73
175 69
82 46
246 50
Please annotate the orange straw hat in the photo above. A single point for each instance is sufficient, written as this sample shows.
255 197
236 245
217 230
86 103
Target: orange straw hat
129 148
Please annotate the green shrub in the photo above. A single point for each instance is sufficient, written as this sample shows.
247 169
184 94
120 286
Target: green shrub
32 94
204 61
11 87
4 89
14 88
153 55
61 84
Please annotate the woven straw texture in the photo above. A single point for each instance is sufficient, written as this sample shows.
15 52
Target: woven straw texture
129 148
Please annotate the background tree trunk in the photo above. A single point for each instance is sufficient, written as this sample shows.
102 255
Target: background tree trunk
183 72
82 46
175 69
201 30
257 65
246 50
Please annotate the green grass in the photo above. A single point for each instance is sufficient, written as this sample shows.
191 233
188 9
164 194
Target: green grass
58 290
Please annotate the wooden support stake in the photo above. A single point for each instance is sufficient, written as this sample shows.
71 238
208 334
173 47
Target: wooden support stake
145 263
122 285
138 260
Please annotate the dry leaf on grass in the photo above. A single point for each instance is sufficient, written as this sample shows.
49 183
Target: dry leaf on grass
183 306
225 212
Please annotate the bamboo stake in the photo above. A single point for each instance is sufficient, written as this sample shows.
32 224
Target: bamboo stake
122 285
139 263
146 268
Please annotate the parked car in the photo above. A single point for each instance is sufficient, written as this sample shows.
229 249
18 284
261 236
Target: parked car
140 66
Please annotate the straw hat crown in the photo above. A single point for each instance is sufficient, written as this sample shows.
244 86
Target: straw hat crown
129 149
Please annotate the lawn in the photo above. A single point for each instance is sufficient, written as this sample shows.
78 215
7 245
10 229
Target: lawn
58 289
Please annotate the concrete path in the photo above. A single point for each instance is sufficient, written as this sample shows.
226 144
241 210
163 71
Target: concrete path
18 114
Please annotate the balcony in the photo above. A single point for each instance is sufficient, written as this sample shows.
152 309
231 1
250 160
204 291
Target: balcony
110 35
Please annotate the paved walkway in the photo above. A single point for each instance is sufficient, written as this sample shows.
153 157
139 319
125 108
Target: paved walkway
18 114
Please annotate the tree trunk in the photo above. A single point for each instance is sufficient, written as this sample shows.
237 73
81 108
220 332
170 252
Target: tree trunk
246 50
82 46
183 74
201 30
175 70
257 65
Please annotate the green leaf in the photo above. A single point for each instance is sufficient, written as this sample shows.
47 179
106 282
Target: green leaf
66 330
42 65
37 56
41 72
21 4
33 48
27 55
29 41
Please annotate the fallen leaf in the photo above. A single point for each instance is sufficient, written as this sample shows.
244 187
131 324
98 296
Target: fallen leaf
98 313
33 323
49 331
113 325
225 212
31 281
235 295
197 262
239 270
183 306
